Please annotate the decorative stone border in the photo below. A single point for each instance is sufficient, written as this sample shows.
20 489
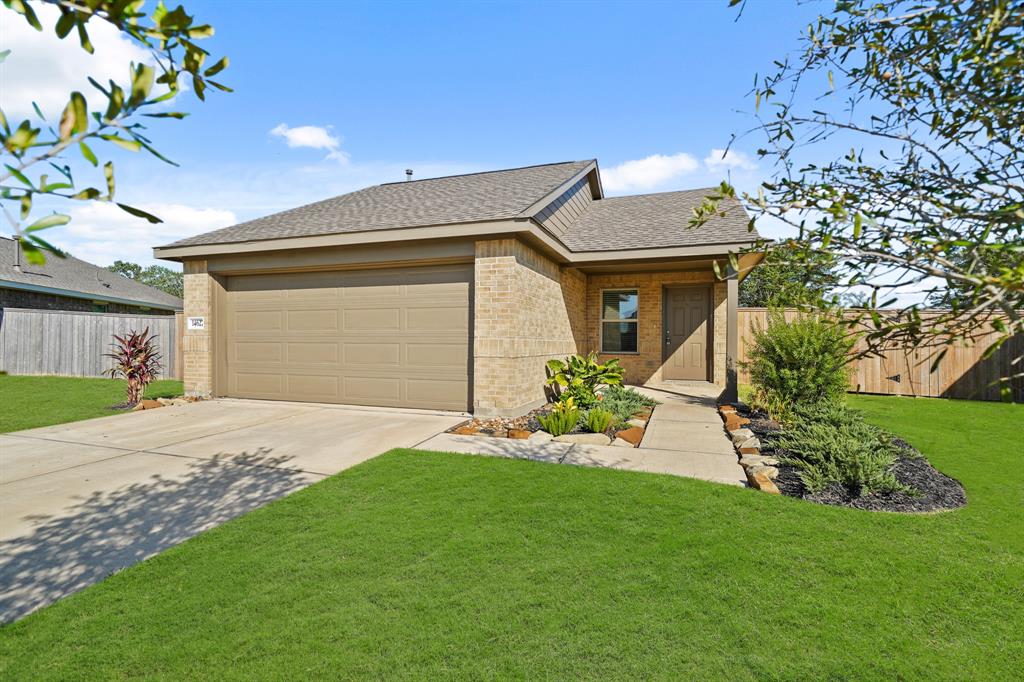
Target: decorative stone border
626 438
149 404
760 470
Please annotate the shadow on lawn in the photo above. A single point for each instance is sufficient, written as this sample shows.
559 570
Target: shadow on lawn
111 530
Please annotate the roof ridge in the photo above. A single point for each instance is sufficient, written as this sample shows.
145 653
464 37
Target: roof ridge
498 170
668 191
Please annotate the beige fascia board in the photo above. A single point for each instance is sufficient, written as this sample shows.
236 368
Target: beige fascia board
538 206
476 230
527 228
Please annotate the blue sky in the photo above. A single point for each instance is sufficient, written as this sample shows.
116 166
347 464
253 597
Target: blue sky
357 92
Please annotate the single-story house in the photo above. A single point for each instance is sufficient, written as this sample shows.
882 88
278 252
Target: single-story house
75 285
453 292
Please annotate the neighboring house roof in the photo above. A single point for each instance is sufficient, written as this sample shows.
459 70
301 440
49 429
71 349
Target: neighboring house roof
648 221
76 278
492 195
591 224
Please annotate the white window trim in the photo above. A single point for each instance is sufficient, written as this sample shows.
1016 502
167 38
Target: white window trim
602 320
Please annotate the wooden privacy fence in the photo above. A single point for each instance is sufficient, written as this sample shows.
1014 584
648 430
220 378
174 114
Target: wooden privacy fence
903 370
72 343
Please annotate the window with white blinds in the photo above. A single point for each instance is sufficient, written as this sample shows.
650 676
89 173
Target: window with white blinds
619 320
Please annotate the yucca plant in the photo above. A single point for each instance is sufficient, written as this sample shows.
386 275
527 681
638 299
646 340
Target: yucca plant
137 360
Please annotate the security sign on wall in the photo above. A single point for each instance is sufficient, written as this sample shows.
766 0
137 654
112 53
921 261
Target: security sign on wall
197 323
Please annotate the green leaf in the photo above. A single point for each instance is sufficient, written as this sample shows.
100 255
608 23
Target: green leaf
139 213
26 205
49 221
3 55
75 118
25 10
221 64
130 145
142 83
168 114
19 175
87 153
108 172
86 194
83 38
857 225
115 101
32 253
65 24
38 112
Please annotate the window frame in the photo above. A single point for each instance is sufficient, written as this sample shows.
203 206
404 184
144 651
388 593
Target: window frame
602 320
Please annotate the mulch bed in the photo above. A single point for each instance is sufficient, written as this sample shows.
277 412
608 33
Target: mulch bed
937 491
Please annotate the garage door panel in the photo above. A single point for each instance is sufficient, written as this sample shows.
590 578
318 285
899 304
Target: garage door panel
261 384
395 337
313 386
437 354
313 353
321 319
370 354
373 319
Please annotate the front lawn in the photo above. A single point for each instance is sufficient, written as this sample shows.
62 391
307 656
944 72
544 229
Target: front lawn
426 565
30 401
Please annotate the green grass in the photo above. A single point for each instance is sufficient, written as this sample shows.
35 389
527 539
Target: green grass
27 402
426 565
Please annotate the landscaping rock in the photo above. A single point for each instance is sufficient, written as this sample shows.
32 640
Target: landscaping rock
147 404
740 435
770 472
540 437
632 435
726 409
758 477
622 443
165 401
183 401
734 422
750 451
639 423
519 434
752 461
584 439
749 444
465 431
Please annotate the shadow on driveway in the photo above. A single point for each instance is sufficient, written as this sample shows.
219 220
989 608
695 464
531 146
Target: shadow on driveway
107 531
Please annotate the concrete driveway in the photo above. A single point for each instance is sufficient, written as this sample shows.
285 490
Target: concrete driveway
79 501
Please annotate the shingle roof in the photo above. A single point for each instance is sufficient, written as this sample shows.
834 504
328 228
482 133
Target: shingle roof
73 275
494 195
651 221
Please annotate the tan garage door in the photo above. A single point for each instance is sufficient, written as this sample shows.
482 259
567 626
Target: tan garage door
395 337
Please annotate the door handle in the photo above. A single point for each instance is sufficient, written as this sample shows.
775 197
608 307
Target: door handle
668 337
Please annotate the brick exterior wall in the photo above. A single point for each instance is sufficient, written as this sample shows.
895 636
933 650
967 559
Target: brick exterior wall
197 344
526 310
646 364
16 298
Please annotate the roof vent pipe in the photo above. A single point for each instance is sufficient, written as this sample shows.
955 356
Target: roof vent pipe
17 252
408 174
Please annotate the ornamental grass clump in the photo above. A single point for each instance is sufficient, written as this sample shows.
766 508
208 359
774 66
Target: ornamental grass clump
137 360
831 444
625 402
798 362
562 419
598 420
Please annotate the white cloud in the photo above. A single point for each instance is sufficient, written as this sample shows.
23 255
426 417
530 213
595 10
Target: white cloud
720 160
648 173
102 233
45 69
313 137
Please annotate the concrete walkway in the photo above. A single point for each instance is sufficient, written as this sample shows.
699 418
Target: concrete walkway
684 438
81 500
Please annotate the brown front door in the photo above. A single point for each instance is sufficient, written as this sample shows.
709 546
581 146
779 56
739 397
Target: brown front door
686 333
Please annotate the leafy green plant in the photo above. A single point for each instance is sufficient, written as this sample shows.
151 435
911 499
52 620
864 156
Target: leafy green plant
829 443
625 402
580 376
598 420
800 362
562 419
137 360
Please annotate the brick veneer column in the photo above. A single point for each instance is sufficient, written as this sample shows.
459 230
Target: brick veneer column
197 345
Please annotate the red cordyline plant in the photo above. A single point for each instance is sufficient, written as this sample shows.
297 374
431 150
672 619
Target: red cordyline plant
137 360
